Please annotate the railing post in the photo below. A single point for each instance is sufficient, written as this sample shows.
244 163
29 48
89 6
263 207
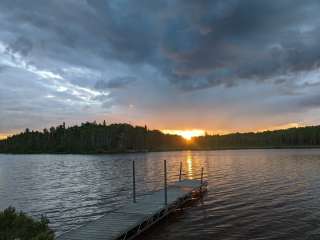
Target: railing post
180 172
134 181
165 183
201 175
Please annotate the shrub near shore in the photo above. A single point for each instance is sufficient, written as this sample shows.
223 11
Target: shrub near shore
19 226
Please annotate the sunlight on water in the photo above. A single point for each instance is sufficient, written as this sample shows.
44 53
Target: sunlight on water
189 164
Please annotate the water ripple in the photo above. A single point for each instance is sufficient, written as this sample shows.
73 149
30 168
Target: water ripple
253 194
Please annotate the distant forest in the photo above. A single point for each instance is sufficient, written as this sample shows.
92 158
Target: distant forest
91 138
113 138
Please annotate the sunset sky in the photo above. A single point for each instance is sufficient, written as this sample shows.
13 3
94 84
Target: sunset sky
208 65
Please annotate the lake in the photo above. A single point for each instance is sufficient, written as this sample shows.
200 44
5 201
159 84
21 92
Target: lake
252 194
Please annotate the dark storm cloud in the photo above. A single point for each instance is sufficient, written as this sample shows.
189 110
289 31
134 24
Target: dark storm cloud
199 44
195 44
253 40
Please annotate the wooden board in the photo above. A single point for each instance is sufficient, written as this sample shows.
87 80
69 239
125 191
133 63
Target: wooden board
125 221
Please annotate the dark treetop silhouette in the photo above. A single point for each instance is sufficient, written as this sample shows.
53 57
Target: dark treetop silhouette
102 138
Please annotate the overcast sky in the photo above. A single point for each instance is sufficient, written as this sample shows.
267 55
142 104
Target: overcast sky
229 65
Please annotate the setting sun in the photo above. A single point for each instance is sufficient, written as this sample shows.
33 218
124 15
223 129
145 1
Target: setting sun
2 136
186 134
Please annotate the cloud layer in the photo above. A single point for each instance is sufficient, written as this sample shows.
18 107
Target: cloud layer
177 64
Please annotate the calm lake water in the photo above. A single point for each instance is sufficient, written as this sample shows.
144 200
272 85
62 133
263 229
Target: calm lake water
252 194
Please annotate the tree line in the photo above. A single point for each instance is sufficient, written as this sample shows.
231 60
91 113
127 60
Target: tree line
91 138
286 138
102 138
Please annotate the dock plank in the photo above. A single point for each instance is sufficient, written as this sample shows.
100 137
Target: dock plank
148 209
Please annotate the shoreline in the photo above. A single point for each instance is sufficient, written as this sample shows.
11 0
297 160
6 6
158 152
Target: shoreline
161 150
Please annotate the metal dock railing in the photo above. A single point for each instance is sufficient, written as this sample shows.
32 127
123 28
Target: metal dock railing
143 212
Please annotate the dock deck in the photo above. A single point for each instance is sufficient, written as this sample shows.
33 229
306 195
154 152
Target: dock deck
134 218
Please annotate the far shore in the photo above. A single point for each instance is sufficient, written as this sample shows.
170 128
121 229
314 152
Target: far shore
162 150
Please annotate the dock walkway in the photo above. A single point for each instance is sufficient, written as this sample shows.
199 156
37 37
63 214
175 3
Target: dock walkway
136 217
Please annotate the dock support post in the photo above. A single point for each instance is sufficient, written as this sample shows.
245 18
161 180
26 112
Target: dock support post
201 179
201 176
134 181
180 173
165 183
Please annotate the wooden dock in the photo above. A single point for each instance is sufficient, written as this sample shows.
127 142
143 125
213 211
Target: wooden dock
131 220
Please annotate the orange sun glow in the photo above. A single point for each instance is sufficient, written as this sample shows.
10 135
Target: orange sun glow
2 136
186 134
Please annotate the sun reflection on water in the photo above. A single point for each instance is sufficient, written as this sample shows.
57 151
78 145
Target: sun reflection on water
189 165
